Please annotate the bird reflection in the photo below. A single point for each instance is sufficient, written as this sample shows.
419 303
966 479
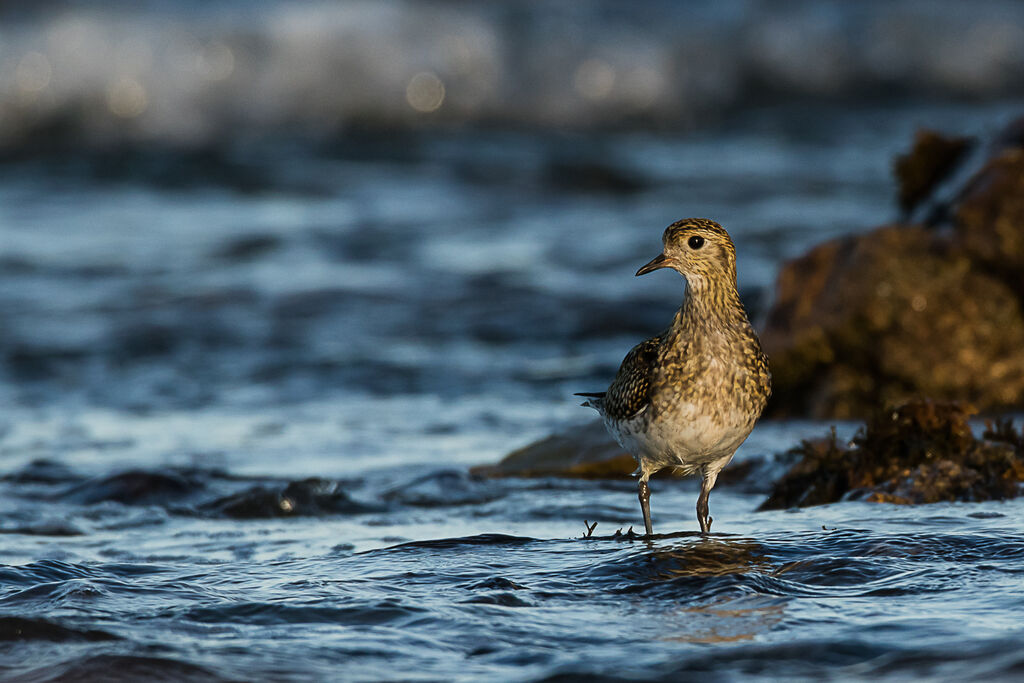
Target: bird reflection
689 554
727 621
713 585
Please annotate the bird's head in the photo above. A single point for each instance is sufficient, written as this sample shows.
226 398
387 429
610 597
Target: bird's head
699 249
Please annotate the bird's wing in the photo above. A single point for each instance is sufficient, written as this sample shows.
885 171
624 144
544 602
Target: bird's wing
629 393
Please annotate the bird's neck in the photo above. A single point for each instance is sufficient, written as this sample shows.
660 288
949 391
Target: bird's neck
711 304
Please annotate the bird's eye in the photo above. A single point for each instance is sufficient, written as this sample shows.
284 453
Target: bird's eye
695 242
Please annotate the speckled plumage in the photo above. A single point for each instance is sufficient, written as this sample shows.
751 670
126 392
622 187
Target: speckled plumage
687 398
630 391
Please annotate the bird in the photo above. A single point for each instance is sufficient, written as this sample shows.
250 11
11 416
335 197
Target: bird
687 398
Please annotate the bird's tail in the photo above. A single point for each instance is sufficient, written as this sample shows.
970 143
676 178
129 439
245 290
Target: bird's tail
594 400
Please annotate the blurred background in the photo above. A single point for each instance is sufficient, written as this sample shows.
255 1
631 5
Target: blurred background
414 224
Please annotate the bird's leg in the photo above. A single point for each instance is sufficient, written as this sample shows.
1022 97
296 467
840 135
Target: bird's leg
702 511
703 518
645 504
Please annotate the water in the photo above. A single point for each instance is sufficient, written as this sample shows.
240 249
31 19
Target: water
244 373
430 575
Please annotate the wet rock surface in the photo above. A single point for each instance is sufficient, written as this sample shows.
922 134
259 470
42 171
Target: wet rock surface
135 487
582 451
911 310
587 452
305 497
921 452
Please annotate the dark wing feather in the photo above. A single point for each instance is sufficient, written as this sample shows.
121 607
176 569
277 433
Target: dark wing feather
630 391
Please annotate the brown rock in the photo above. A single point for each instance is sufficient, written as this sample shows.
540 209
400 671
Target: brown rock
989 218
922 452
880 318
585 451
931 160
588 452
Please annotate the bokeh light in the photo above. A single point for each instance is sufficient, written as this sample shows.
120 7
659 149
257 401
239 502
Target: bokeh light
425 92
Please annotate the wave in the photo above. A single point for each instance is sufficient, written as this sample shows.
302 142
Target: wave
203 73
117 667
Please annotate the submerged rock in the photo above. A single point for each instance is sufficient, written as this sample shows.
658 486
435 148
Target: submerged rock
908 310
306 497
922 452
135 487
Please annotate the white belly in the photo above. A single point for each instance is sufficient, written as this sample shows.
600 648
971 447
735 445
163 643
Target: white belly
687 437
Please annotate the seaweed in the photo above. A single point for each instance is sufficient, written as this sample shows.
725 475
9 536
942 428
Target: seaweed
921 452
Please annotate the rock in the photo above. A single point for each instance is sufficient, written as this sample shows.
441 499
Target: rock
588 452
306 497
930 161
585 451
134 487
989 218
880 318
922 452
906 311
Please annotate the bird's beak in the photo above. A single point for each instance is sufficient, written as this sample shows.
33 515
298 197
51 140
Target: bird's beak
659 261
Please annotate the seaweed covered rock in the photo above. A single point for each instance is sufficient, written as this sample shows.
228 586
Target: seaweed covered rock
910 310
922 452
